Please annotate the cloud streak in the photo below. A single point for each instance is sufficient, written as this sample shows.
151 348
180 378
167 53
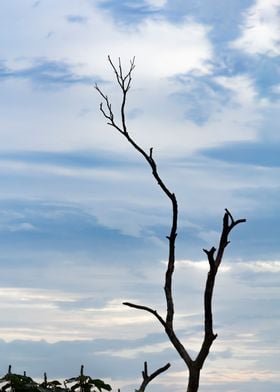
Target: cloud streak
48 74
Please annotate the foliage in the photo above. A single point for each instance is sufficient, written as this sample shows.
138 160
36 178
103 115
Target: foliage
21 383
86 383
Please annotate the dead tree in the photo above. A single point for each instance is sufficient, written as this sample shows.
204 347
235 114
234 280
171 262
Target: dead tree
214 255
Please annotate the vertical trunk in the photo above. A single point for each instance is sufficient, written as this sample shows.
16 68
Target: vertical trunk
193 384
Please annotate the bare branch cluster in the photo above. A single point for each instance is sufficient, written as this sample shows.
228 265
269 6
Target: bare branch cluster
124 82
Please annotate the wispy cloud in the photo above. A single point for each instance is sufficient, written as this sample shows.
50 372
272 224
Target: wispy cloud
46 74
256 266
260 32
76 19
157 3
132 12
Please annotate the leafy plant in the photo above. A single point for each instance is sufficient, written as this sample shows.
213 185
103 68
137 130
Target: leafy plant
21 383
18 383
54 385
87 384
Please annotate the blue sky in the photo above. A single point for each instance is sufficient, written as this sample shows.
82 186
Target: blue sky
82 222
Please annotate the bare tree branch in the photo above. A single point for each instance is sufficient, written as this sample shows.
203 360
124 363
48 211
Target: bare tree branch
210 254
124 83
148 378
147 309
228 224
227 227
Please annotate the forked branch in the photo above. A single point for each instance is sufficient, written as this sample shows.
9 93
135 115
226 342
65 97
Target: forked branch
148 378
214 262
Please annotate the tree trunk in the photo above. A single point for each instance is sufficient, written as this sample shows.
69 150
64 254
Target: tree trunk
193 383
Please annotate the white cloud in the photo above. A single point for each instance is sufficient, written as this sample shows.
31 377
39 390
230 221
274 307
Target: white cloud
242 87
23 226
73 300
54 322
162 48
34 296
156 3
261 29
255 266
261 266
202 265
61 171
276 89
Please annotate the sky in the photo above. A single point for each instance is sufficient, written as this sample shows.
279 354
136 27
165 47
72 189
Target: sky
82 221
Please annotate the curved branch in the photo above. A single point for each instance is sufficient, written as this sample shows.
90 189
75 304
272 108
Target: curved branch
147 309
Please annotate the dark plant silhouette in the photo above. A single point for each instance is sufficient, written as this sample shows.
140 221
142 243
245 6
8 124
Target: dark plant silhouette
84 383
53 385
21 383
17 382
214 255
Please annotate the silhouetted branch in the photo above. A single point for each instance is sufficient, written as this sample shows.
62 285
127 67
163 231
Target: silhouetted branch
147 309
210 254
228 224
124 82
148 378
